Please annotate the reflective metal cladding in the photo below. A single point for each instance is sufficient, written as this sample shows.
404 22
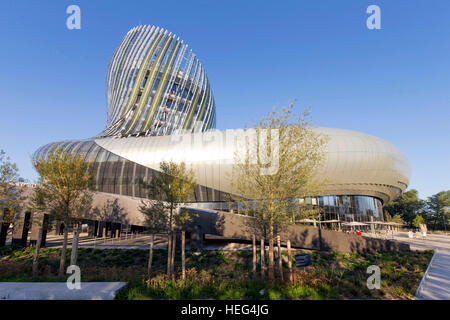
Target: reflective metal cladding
155 85
161 107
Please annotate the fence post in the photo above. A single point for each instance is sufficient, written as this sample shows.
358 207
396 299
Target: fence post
174 242
36 252
169 253
280 258
289 259
263 266
254 254
183 259
150 258
76 236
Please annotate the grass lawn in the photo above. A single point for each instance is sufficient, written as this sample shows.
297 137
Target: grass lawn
228 274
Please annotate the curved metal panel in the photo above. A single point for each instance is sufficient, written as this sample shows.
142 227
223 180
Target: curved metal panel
355 163
155 86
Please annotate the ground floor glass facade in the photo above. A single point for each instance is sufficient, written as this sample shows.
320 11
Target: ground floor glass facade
346 208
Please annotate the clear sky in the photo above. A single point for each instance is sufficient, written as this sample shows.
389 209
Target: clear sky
393 83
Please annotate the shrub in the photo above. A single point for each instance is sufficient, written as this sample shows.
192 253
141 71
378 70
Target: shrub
326 292
296 292
273 294
221 257
240 253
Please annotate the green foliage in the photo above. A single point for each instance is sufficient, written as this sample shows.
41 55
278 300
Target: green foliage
408 205
297 151
156 216
273 294
170 188
438 210
418 220
11 193
64 188
396 218
435 210
241 253
220 256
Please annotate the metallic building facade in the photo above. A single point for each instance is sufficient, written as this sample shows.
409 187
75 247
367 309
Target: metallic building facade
155 86
161 108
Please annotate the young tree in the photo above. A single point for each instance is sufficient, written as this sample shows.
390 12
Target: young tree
64 191
156 221
36 205
11 192
169 189
274 196
408 205
396 218
418 220
437 209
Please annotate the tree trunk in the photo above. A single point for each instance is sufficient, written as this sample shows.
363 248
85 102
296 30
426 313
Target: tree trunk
74 253
150 256
169 244
271 260
280 257
172 264
254 255
263 265
62 259
169 252
36 252
183 258
289 259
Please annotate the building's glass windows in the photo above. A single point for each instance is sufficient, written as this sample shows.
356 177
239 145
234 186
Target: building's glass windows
350 208
321 201
127 187
116 181
345 213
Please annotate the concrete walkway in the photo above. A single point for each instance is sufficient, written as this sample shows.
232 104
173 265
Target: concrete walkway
435 284
59 291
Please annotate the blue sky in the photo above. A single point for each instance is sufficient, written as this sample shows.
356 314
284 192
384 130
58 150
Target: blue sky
393 83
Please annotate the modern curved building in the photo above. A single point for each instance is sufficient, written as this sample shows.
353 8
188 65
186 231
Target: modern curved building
161 107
